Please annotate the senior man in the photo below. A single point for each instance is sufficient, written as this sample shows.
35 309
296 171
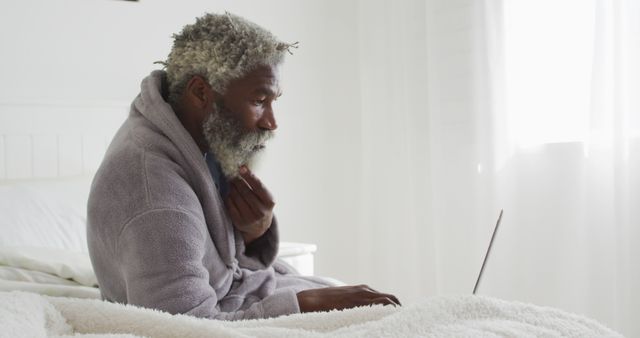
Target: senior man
176 219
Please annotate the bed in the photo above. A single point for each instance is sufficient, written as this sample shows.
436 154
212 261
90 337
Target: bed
47 285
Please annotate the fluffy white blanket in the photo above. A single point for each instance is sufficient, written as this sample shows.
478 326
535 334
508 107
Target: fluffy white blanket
30 315
25 314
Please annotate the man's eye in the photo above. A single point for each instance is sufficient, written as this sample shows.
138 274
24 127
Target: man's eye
259 102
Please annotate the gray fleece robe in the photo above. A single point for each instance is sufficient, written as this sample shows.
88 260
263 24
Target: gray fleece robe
158 233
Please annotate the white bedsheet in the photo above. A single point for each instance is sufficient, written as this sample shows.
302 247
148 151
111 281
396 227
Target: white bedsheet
47 271
65 264
57 290
31 315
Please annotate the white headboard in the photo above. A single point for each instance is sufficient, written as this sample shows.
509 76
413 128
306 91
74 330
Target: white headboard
56 139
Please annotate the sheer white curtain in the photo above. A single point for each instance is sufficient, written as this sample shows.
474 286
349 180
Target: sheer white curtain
571 178
531 106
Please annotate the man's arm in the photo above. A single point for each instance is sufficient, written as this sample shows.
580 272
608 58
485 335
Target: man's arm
250 206
161 252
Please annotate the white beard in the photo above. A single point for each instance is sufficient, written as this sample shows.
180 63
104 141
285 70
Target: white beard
230 144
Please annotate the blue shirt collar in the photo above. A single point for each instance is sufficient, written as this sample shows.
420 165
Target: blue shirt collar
216 173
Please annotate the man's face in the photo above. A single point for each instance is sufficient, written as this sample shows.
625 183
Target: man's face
242 120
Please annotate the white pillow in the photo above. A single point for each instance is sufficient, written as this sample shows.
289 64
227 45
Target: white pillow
50 214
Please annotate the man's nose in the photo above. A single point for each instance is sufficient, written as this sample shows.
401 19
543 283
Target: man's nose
267 121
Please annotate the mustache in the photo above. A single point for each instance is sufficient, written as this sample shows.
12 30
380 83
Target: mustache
254 140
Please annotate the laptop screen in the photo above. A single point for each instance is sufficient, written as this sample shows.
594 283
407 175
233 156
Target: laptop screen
486 256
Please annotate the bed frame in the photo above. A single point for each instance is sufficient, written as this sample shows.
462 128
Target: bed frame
49 140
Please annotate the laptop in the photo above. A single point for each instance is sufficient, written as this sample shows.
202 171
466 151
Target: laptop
486 256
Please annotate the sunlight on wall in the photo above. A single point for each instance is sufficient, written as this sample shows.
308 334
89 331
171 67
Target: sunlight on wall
549 58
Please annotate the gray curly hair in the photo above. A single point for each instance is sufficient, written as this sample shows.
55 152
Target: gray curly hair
220 48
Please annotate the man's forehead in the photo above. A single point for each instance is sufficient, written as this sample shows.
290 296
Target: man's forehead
264 79
268 90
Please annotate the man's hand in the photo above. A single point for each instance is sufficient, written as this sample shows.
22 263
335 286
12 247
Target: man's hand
342 297
250 205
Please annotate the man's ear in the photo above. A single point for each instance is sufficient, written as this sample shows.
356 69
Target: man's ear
199 92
